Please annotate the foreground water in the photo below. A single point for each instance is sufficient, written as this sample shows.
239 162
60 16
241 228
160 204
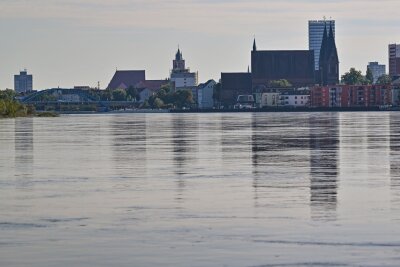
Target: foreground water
279 189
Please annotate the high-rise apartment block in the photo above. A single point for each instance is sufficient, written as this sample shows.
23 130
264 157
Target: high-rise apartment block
394 60
23 82
315 34
377 70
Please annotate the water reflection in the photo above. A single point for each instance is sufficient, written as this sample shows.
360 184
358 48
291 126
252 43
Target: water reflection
324 146
279 158
395 158
185 148
24 151
129 146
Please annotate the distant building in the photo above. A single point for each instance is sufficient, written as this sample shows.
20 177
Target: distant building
296 66
351 96
270 99
205 94
233 85
180 75
23 82
315 36
377 70
328 73
295 99
124 79
394 60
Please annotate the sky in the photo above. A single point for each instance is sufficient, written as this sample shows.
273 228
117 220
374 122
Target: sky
82 42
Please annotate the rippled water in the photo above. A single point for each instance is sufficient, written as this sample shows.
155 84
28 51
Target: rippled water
272 189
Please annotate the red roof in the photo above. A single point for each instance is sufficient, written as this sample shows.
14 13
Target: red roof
126 78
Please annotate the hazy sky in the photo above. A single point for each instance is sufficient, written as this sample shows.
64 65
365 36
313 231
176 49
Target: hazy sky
79 42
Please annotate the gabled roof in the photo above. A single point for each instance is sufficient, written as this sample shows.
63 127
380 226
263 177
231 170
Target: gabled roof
126 78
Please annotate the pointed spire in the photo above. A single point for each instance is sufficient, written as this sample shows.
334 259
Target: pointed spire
178 55
323 50
254 44
332 44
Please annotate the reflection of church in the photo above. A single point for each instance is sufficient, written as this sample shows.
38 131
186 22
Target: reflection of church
324 145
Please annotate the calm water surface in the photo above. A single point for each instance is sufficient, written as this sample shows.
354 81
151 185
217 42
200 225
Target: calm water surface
252 190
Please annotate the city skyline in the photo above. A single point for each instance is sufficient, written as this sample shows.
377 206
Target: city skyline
67 43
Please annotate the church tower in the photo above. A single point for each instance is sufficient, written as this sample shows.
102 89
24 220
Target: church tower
328 60
178 63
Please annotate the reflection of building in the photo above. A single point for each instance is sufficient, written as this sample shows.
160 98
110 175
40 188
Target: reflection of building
23 82
324 146
394 60
295 66
315 34
377 70
180 75
24 155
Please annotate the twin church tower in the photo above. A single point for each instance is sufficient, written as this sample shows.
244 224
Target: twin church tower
318 65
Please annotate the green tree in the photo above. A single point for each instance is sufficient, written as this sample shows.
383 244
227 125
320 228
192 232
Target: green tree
384 79
282 83
119 95
7 94
158 103
132 93
353 77
369 76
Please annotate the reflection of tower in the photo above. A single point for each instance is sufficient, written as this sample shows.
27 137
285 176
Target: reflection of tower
185 146
324 145
23 150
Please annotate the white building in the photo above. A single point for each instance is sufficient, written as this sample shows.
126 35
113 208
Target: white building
180 75
315 34
205 92
295 99
377 70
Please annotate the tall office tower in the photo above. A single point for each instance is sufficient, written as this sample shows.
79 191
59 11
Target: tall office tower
315 34
394 60
377 70
23 82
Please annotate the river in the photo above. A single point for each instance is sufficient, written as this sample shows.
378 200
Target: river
240 189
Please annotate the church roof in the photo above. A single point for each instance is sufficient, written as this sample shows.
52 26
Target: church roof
126 78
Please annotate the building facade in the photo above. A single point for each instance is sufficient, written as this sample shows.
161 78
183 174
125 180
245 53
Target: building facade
180 75
233 85
294 99
23 82
394 60
377 70
296 66
315 36
344 96
205 94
